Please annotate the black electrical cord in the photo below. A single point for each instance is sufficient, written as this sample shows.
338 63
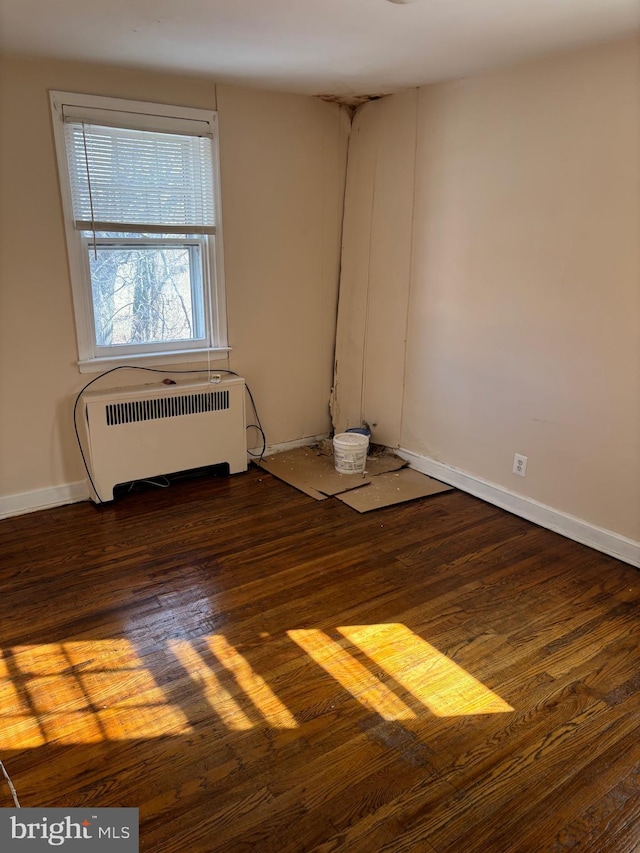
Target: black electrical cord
258 456
257 425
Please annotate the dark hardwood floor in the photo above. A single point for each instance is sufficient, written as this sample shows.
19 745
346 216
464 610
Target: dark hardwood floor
258 671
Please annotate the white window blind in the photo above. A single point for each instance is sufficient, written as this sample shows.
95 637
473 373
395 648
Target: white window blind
139 180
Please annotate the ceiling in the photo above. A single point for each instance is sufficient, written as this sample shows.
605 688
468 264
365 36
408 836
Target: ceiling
337 47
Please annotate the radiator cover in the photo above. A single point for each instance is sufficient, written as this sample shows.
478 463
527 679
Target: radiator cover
144 431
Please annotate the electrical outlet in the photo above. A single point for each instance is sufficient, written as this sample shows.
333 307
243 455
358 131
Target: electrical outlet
520 464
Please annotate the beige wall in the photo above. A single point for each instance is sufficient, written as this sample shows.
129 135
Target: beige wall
283 164
524 313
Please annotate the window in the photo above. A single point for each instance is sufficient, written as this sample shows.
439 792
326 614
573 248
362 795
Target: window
140 191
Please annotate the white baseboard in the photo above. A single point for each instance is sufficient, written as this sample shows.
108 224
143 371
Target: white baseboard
581 531
23 502
70 493
289 445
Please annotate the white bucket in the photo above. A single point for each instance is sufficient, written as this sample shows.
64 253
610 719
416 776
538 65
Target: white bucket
350 452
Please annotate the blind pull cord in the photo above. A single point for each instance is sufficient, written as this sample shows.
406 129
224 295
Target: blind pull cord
93 219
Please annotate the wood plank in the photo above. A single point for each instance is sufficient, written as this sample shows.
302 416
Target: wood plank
255 669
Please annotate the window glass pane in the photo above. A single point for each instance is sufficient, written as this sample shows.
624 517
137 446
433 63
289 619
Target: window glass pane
144 294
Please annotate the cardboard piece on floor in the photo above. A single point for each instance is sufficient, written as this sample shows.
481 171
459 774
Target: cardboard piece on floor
311 472
380 463
392 488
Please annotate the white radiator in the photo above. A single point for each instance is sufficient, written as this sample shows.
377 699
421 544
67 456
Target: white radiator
144 431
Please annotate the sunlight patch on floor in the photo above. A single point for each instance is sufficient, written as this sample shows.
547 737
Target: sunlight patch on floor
436 681
391 670
94 690
81 692
218 697
266 702
358 680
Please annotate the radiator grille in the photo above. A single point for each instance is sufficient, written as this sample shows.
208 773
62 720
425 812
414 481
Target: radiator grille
152 409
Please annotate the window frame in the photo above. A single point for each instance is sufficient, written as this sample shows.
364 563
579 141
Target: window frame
144 116
198 286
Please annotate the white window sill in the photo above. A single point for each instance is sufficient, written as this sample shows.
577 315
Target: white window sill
154 359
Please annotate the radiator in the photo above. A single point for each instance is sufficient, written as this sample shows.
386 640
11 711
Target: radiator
144 431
